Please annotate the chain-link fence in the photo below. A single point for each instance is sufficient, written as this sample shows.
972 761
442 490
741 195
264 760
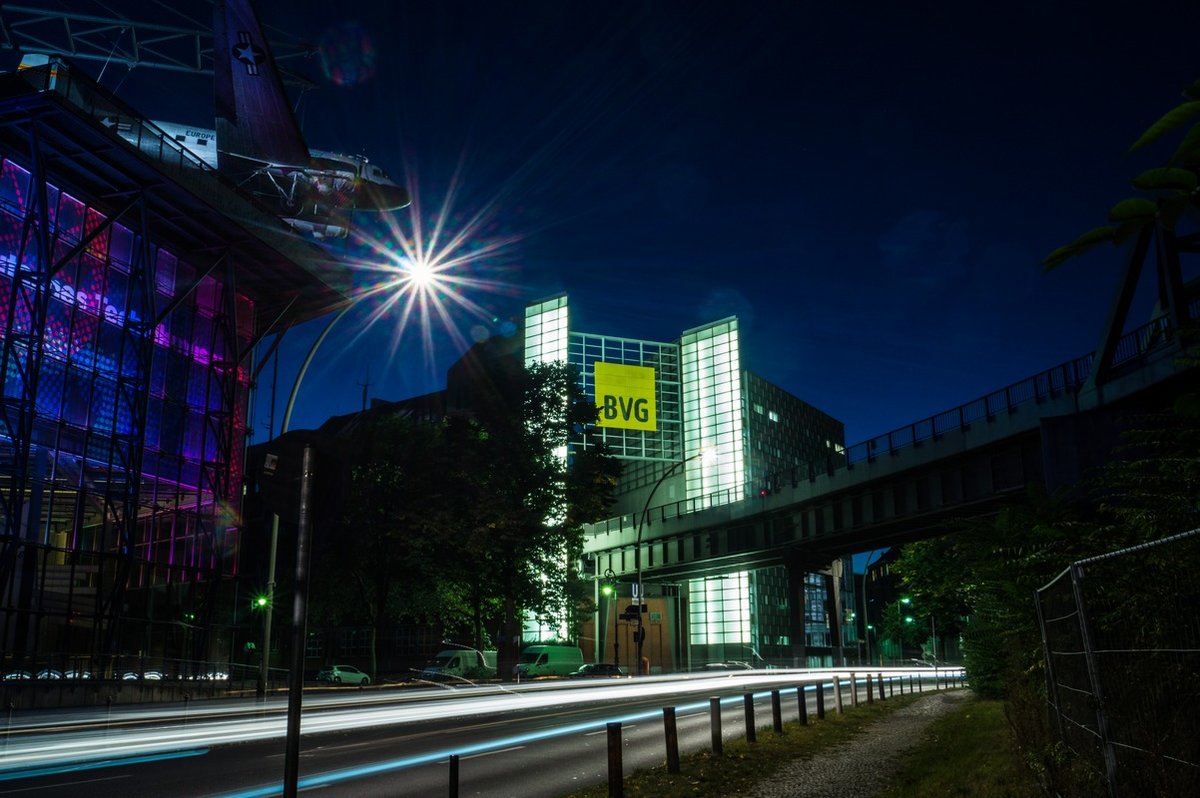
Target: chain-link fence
1121 637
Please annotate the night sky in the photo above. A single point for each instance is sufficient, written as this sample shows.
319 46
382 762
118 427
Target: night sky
870 189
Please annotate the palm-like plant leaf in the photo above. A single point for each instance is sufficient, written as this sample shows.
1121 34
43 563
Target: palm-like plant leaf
1177 116
1166 179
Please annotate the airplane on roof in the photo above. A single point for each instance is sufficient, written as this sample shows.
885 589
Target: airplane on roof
258 144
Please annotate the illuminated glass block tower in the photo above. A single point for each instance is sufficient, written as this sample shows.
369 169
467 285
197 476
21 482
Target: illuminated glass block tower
691 424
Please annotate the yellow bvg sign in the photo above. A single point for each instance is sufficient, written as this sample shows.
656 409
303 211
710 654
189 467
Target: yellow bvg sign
625 396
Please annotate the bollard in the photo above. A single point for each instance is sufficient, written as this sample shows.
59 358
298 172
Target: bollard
911 687
714 711
776 713
748 703
802 705
870 690
672 739
616 776
891 687
921 683
882 697
837 695
853 690
454 776
820 701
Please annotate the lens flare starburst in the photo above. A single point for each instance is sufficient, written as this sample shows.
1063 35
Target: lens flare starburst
423 269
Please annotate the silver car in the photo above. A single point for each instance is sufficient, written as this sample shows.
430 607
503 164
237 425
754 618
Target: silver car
343 674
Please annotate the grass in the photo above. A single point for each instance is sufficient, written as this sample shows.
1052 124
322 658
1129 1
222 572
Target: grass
968 753
746 764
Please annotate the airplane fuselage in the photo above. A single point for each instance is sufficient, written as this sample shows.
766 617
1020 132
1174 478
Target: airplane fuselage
311 196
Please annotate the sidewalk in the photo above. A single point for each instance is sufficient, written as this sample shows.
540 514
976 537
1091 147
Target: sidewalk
861 767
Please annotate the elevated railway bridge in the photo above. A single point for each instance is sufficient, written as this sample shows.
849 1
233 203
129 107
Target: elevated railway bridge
905 485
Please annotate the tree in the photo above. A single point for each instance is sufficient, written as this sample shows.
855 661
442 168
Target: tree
529 534
398 514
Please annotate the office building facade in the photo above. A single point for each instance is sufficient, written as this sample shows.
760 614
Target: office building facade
690 424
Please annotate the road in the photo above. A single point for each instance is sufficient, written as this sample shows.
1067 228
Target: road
541 739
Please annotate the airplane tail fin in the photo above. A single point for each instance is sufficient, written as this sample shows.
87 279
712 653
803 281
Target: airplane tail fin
254 117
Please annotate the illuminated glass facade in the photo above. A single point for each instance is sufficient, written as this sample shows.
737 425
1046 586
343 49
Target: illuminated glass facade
732 431
121 435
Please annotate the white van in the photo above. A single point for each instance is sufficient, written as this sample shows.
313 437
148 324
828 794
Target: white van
461 663
544 660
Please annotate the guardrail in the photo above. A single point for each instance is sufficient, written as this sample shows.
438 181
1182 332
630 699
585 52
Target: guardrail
836 688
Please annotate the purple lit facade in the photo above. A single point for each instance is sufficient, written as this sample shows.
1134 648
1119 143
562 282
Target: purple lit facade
121 437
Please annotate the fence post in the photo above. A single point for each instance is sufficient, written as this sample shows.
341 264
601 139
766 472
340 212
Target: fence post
820 700
748 703
802 705
891 683
870 690
454 776
616 775
1093 671
672 739
714 713
882 697
776 712
837 695
853 690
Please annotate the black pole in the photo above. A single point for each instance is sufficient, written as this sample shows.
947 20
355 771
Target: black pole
291 759
748 703
776 713
616 773
714 715
802 705
454 776
672 739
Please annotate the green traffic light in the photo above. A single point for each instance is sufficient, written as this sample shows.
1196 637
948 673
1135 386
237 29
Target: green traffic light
261 601
606 590
909 619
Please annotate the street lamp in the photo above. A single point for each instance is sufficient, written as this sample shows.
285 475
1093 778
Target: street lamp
610 592
901 619
640 635
417 277
866 625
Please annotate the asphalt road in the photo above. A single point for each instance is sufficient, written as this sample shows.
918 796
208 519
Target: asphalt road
536 740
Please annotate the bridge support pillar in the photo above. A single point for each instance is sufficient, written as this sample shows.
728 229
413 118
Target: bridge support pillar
796 569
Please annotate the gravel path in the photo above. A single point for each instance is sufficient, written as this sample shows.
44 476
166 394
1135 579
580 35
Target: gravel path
860 768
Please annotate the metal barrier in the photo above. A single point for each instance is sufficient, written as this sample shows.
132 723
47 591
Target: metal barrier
1121 642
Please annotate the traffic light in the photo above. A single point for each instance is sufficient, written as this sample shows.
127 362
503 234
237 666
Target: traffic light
261 601
607 590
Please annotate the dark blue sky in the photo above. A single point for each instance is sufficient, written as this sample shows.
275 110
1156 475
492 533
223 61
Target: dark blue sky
869 189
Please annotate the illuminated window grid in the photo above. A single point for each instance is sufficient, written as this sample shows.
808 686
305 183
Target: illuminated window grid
664 444
712 411
720 609
546 331
89 375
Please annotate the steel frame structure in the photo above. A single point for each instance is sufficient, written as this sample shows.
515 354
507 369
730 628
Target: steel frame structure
132 297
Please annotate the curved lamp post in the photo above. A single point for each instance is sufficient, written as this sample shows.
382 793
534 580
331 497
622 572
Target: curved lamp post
866 620
417 278
639 636
269 606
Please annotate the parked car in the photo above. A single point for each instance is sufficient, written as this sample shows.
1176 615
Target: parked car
343 674
597 670
731 665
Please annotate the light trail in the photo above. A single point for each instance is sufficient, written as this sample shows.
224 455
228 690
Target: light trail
36 753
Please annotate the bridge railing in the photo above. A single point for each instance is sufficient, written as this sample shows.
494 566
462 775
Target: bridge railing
1133 347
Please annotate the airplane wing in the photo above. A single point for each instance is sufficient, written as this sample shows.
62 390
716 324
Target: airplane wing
254 116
